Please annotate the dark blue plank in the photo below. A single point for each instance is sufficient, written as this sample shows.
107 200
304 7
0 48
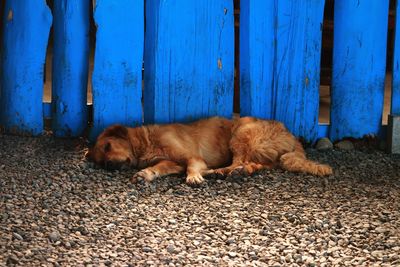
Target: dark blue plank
280 62
188 60
395 107
26 25
70 66
117 76
359 61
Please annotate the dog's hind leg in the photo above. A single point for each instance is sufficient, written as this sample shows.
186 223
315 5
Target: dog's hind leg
162 168
195 168
297 162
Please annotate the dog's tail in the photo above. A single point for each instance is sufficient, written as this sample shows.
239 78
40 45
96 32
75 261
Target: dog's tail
296 161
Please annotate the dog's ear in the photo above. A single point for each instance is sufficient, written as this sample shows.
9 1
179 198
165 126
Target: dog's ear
116 131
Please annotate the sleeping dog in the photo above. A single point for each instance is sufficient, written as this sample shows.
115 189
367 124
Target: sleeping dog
214 145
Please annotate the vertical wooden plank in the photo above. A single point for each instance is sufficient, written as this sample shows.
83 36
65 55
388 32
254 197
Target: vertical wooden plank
26 25
393 133
395 106
257 50
297 67
188 60
359 61
280 62
117 76
70 66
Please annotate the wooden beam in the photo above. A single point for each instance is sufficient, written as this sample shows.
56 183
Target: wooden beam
70 67
26 26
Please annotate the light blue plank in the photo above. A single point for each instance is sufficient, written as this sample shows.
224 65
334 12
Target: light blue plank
70 66
359 61
395 107
117 76
188 60
280 62
26 25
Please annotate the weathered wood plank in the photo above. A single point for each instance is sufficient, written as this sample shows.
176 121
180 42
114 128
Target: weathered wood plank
359 62
117 76
395 107
26 25
280 62
70 67
188 60
393 138
257 50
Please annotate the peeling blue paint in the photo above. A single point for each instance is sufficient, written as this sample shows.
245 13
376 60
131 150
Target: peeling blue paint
189 57
280 46
117 76
70 67
359 62
26 25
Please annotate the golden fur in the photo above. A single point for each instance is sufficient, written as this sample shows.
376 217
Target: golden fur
203 147
160 150
261 144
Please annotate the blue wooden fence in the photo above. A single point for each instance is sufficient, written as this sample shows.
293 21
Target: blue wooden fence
70 67
187 51
280 62
26 25
189 59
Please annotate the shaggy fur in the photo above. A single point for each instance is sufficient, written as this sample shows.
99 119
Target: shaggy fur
203 147
260 144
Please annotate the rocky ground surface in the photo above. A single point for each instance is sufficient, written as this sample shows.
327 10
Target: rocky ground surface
56 209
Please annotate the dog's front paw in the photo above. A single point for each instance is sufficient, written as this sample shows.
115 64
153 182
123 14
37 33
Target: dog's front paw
146 175
194 179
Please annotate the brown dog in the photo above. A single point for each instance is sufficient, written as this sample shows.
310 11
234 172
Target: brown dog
260 144
160 150
199 147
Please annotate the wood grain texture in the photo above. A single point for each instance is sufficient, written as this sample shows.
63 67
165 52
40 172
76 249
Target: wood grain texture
359 62
280 62
70 67
26 25
189 59
117 76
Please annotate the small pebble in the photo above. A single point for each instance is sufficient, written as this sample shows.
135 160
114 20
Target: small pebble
324 144
345 145
18 236
232 254
54 237
171 249
147 249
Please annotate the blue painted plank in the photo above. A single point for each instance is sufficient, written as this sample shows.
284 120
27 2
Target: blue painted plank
117 76
189 58
323 130
70 67
359 62
257 50
280 62
395 107
26 25
47 114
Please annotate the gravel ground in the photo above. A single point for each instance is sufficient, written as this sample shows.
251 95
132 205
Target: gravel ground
56 209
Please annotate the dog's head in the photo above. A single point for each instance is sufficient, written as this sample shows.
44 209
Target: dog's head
113 149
